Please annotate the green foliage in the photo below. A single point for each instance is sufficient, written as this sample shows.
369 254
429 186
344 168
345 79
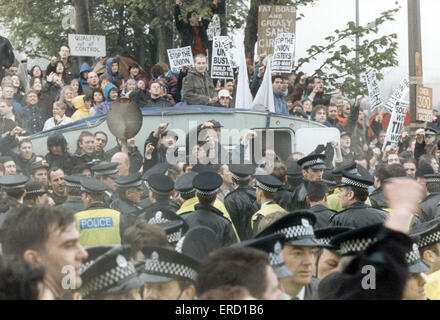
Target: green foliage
341 69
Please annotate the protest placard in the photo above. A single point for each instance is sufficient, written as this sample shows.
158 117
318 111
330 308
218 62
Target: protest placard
86 45
179 57
220 66
399 93
272 20
424 104
395 126
284 51
226 43
373 90
214 28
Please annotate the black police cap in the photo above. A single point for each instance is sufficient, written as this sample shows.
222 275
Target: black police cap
161 168
130 181
34 187
73 181
160 184
242 171
184 184
202 168
92 185
13 182
198 243
207 183
106 169
314 161
268 183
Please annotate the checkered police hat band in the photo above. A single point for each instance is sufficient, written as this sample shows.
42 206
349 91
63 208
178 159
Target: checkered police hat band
36 191
157 220
158 192
238 178
73 185
166 268
174 237
311 163
266 188
433 180
207 193
413 256
105 172
354 183
108 279
356 245
429 239
297 232
324 241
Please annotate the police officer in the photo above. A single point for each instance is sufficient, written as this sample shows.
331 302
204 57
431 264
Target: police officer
97 225
242 202
107 173
317 200
267 186
36 193
184 185
74 199
175 228
160 187
298 252
13 185
207 185
129 190
167 274
111 276
354 192
429 206
312 169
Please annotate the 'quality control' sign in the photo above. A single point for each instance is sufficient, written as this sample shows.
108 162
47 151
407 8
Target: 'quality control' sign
86 45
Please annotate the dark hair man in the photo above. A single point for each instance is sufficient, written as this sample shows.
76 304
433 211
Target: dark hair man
46 237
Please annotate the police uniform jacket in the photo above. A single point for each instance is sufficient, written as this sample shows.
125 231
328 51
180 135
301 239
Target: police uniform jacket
265 210
284 197
299 198
377 199
241 205
74 204
110 197
358 215
429 207
98 225
130 212
323 215
151 209
211 217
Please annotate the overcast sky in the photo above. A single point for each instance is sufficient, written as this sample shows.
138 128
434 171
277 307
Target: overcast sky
325 16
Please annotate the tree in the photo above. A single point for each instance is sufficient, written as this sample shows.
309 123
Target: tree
340 67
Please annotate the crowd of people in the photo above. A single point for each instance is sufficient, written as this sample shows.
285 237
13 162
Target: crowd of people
116 224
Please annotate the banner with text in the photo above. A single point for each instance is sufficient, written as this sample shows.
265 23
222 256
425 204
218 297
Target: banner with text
373 90
272 20
220 67
424 104
86 45
214 28
395 126
180 57
284 53
398 94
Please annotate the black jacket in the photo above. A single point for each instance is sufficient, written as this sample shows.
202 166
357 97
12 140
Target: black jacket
160 102
241 205
130 212
25 165
323 215
391 270
74 204
208 216
66 162
159 154
377 199
358 215
187 31
284 197
150 210
7 57
299 198
58 199
428 207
